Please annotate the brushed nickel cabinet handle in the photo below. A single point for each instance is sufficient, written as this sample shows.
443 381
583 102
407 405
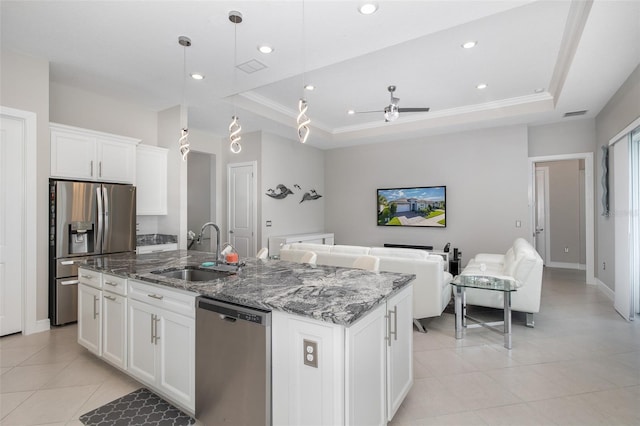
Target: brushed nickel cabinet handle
156 296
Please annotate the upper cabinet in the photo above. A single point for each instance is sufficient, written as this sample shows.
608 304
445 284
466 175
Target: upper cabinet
151 181
90 155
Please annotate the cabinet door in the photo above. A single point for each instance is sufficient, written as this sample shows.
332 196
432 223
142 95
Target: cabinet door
400 352
151 180
114 329
89 321
116 161
142 352
177 340
73 155
365 377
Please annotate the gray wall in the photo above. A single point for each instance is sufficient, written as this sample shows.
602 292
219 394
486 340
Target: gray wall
566 195
621 110
289 162
200 192
24 85
485 172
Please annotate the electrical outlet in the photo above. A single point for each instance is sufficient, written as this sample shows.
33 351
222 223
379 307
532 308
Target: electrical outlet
566 249
518 224
268 223
310 353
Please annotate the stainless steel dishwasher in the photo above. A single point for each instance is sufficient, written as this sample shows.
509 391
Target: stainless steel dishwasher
233 364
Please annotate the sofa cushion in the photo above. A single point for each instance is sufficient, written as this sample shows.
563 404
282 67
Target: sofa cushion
359 250
403 253
311 247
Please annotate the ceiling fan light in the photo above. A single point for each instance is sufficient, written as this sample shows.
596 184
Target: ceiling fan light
391 113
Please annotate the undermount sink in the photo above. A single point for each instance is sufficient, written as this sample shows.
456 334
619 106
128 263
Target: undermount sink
193 274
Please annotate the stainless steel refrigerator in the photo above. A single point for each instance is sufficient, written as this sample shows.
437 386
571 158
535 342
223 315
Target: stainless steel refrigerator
85 219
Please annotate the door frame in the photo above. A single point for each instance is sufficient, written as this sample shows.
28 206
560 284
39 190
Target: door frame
254 224
547 235
28 207
588 203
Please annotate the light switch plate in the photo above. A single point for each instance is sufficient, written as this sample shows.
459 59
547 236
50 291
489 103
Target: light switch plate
310 353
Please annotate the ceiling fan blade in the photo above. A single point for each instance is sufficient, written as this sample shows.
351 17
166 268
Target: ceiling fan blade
367 112
413 109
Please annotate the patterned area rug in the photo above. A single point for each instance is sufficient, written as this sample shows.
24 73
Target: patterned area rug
141 407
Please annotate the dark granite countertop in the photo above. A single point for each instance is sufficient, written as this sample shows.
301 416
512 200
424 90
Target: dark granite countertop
155 239
326 293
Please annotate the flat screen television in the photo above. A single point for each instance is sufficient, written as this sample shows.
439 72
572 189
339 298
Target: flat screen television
423 206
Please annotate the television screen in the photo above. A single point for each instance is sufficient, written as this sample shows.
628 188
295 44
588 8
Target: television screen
417 206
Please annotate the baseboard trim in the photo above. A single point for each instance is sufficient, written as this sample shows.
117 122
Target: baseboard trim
567 265
38 327
605 289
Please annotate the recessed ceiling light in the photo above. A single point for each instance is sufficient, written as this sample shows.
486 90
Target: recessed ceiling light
481 86
265 48
309 87
197 76
351 112
539 90
469 44
368 8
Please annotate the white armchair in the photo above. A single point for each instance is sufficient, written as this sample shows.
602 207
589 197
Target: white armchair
521 262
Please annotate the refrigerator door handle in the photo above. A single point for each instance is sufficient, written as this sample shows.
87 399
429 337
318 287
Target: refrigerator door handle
107 219
100 219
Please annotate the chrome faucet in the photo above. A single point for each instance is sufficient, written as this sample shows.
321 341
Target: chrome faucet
217 237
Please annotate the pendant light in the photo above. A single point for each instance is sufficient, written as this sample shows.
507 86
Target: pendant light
183 142
302 120
234 128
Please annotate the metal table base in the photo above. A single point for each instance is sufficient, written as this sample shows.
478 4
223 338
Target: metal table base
461 317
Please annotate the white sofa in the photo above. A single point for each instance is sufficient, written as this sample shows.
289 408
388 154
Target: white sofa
431 288
521 262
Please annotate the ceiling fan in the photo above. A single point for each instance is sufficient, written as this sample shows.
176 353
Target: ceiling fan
392 111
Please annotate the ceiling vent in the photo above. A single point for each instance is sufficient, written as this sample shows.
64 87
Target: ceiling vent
251 66
575 113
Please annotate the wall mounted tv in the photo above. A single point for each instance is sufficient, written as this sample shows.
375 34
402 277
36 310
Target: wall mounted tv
423 206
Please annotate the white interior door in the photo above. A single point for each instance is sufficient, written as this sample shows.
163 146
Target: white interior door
541 214
242 214
11 225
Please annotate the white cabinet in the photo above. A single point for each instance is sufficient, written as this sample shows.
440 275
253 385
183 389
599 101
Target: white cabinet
364 371
89 319
114 320
161 338
399 349
102 315
151 180
89 155
156 248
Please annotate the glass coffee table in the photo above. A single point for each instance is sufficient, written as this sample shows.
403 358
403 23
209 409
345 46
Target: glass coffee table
483 282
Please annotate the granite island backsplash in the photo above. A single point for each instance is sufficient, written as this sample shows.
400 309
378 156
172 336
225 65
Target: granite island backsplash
326 293
155 239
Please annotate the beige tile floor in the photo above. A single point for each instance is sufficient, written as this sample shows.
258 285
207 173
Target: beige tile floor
579 366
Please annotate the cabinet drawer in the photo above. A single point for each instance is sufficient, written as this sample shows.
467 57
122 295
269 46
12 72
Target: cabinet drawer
178 301
156 248
90 278
114 284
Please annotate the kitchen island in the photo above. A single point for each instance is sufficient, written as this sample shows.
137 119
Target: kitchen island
360 321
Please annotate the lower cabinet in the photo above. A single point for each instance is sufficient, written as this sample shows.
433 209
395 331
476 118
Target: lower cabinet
363 371
89 318
162 350
114 329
